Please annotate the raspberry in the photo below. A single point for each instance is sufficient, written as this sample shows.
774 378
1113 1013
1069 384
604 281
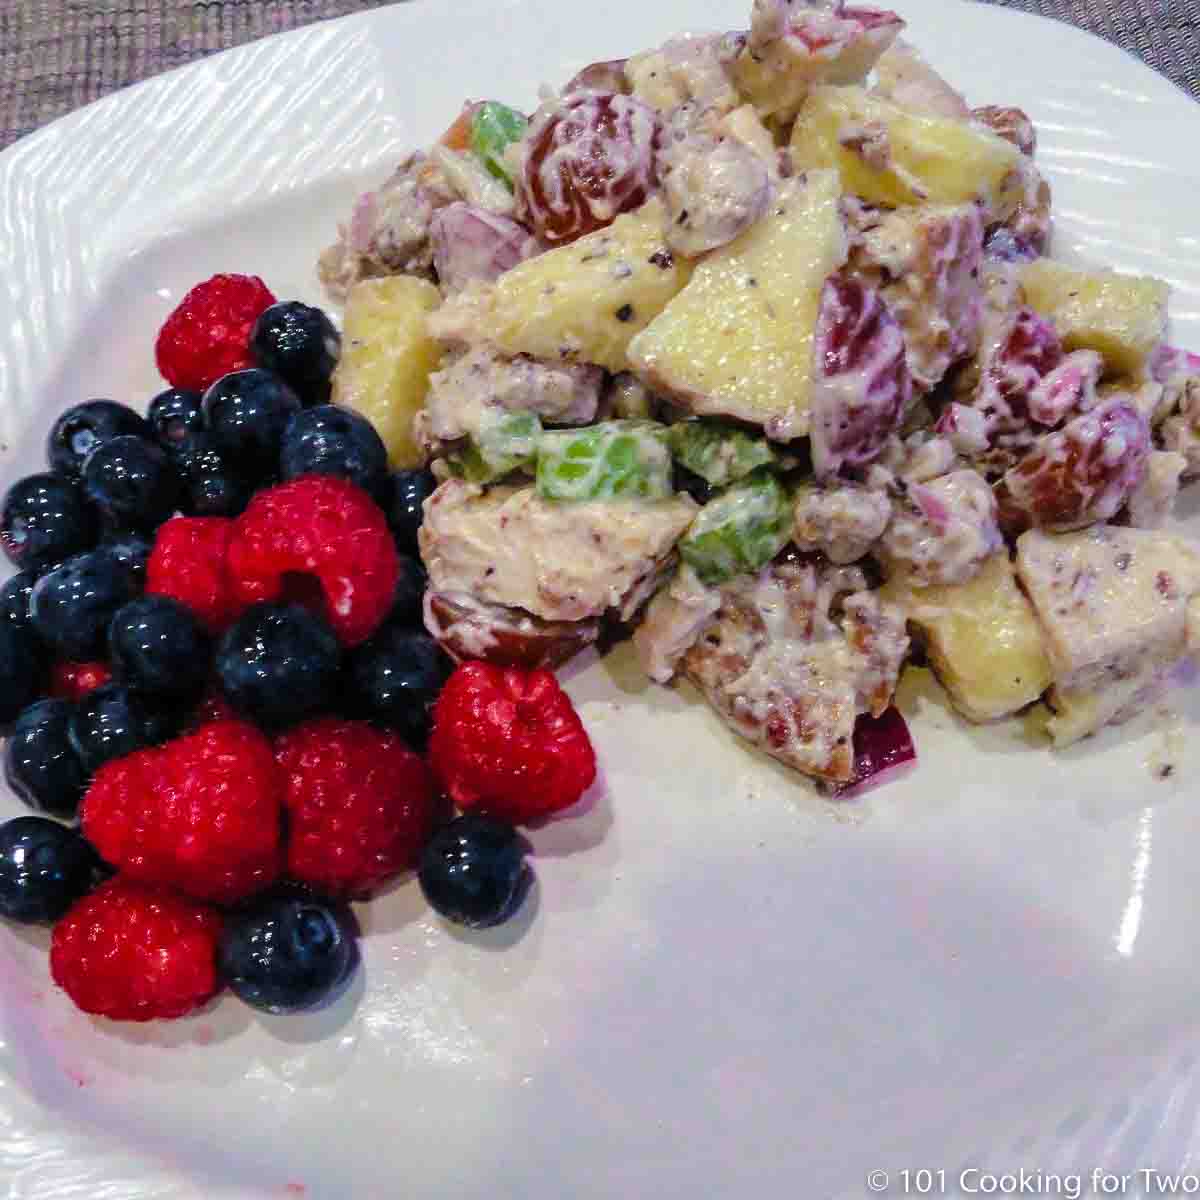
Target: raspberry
208 335
133 953
322 527
188 563
359 804
201 813
73 680
509 743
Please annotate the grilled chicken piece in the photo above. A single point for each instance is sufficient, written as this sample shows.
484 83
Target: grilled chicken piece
558 561
794 655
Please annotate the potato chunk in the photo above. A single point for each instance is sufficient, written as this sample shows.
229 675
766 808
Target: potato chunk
982 639
890 155
1124 317
387 357
578 303
737 341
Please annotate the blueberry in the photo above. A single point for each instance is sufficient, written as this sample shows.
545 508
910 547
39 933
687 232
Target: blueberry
299 343
81 429
408 605
40 763
44 868
20 670
158 647
327 440
45 519
14 599
410 489
115 720
473 871
211 485
247 412
397 676
173 414
288 951
73 604
132 482
131 551
278 663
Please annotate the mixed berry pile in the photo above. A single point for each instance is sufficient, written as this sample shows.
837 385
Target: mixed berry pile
219 696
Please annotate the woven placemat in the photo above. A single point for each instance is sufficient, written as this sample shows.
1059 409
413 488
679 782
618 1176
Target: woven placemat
56 55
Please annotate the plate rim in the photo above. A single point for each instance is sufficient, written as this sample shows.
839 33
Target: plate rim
78 1145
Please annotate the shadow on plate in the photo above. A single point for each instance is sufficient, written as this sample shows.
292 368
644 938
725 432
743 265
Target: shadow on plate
394 908
222 1018
319 1024
583 826
500 938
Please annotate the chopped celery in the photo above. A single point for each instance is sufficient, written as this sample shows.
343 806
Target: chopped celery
504 442
720 453
739 531
626 459
494 128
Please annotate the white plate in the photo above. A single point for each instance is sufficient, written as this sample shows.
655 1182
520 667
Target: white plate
723 986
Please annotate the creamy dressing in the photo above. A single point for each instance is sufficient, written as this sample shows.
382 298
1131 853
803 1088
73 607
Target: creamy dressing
472 182
1110 600
558 561
926 263
860 381
1085 472
687 70
791 659
563 147
1151 502
388 233
674 620
964 428
1012 124
714 190
1180 431
843 521
467 628
470 243
942 531
1025 207
790 655
461 394
1069 388
905 78
920 457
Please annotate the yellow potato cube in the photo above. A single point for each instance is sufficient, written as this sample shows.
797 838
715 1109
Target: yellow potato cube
891 155
387 358
737 341
982 639
1123 317
582 302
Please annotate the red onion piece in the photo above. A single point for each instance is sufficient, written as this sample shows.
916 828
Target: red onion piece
472 243
608 76
1170 362
883 750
